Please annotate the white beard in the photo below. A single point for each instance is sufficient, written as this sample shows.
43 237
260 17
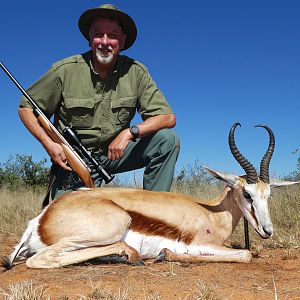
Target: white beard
104 58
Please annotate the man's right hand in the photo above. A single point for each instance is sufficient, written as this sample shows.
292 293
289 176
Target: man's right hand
57 155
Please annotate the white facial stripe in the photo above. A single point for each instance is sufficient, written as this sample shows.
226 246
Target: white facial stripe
259 195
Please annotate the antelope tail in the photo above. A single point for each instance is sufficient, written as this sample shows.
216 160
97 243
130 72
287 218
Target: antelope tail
20 249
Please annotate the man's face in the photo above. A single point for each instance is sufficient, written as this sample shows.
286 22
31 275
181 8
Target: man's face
106 40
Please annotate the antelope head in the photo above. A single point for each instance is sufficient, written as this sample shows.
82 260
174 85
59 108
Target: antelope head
252 191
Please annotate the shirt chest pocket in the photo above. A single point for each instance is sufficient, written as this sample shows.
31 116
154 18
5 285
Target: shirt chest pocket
80 112
123 109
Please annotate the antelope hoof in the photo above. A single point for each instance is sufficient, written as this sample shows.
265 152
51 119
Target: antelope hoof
122 258
137 263
161 256
132 259
113 259
6 264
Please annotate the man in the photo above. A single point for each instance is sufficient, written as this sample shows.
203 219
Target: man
98 92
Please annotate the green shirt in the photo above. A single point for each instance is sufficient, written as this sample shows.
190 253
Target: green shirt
99 110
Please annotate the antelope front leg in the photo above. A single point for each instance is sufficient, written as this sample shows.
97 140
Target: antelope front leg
206 254
56 256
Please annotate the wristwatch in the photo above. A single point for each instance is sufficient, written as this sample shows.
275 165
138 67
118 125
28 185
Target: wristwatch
135 131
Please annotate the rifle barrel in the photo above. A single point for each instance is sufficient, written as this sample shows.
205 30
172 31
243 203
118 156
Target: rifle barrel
19 86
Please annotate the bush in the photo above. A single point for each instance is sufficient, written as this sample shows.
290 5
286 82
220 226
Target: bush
21 171
295 175
195 180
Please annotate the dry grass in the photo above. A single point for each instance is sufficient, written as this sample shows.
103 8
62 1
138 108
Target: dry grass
27 290
16 209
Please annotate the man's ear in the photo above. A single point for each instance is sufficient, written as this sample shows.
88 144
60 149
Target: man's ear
230 179
123 41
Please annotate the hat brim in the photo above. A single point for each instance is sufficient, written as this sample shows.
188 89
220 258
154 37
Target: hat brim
125 21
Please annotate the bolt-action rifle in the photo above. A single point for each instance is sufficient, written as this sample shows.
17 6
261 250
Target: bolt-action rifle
74 152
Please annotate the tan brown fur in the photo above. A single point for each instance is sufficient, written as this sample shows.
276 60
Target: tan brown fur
79 217
170 208
159 214
52 225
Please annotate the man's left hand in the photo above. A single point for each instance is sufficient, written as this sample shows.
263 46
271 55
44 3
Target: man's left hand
148 126
118 145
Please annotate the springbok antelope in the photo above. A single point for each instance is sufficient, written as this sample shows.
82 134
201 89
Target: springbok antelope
138 224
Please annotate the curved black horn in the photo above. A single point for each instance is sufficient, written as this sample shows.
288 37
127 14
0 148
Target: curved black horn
243 162
265 162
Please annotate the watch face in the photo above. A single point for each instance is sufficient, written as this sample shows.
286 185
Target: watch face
135 131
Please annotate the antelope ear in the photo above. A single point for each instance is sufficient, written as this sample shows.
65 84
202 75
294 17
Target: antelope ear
274 183
230 179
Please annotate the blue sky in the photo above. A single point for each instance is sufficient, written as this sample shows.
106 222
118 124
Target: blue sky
217 62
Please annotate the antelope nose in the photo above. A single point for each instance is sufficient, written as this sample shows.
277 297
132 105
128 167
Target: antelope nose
268 229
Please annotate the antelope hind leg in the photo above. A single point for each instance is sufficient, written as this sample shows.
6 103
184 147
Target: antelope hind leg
56 256
219 254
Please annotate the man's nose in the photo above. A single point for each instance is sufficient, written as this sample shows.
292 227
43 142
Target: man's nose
105 39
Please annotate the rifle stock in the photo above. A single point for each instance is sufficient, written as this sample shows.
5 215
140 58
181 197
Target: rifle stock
73 158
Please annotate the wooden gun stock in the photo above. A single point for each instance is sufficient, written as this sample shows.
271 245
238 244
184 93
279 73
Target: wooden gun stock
74 160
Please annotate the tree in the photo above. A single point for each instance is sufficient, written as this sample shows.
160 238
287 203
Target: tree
22 170
295 175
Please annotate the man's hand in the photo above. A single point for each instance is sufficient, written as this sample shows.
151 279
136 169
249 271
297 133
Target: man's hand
118 145
148 126
57 155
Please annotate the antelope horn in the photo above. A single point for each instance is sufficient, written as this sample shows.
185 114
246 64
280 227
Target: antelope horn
243 162
265 162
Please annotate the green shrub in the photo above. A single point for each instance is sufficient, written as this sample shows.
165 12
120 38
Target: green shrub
20 170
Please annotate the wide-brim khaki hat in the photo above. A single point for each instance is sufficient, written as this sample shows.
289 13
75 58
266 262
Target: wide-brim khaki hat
110 12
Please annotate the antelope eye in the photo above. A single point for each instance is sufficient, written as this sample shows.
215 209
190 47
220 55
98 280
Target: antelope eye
247 196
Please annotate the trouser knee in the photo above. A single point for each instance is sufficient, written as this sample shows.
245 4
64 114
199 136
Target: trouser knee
167 139
162 154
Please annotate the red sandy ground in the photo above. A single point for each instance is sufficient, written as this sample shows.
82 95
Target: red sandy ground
273 273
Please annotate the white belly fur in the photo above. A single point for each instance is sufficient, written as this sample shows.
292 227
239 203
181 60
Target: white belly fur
34 242
150 246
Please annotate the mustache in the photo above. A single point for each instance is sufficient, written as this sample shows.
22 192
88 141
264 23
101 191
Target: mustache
105 47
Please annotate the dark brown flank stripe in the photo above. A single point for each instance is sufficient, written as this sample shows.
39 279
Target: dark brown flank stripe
155 227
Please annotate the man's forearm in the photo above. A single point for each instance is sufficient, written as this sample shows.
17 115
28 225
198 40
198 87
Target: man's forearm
30 121
148 126
155 123
55 150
